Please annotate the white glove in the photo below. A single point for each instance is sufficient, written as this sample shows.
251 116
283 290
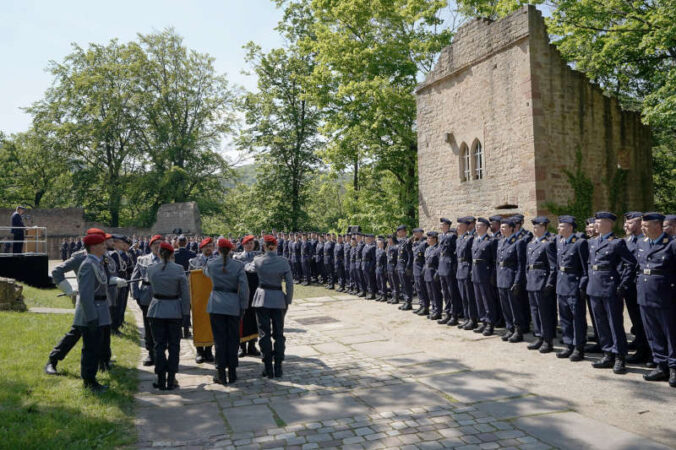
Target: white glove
119 282
66 288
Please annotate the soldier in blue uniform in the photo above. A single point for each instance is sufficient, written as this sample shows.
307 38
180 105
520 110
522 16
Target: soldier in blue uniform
448 265
404 267
17 229
463 274
281 242
306 253
483 267
541 270
319 259
430 274
669 225
418 248
393 279
523 295
368 266
572 255
495 222
632 230
656 287
339 263
182 257
358 273
64 250
511 276
381 269
329 266
611 268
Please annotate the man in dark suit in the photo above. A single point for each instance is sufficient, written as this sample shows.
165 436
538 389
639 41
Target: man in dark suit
17 229
182 256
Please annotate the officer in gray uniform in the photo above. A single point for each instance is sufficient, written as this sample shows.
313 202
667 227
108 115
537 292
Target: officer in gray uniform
271 304
228 302
142 292
169 303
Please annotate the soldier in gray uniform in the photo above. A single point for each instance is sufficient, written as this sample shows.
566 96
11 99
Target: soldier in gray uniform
89 315
228 302
170 302
271 304
206 248
142 292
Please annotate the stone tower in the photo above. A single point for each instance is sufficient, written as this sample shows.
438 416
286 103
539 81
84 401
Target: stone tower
501 118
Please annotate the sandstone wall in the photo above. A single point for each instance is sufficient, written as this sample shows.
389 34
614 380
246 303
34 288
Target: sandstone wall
185 216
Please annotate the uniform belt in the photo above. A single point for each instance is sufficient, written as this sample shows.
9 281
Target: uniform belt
652 271
232 291
536 266
145 283
568 270
270 287
464 260
478 260
507 264
600 268
100 297
166 297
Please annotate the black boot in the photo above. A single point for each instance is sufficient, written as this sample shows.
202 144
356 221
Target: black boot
232 375
480 329
406 306
422 311
577 355
535 345
453 321
565 353
208 356
619 367
268 371
517 336
488 331
149 361
171 381
672 377
463 324
220 377
186 333
472 324
252 350
50 367
160 381
546 347
241 353
444 319
278 369
658 374
95 387
606 362
435 316
507 334
419 310
641 356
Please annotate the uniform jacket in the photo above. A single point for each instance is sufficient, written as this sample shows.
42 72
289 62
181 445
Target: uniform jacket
656 282
230 292
432 260
280 246
319 252
525 235
182 256
632 245
339 255
198 262
16 221
510 261
405 255
392 256
358 252
572 257
483 258
611 265
71 264
368 257
272 270
418 249
168 280
306 251
91 301
541 266
328 252
111 262
141 291
463 251
381 260
448 260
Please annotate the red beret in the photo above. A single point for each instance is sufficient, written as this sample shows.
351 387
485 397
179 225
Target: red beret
93 239
225 243
247 238
167 246
270 239
96 231
157 237
206 241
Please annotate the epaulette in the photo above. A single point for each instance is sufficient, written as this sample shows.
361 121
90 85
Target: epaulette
665 240
573 240
511 241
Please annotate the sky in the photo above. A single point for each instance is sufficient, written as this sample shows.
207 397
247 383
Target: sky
35 32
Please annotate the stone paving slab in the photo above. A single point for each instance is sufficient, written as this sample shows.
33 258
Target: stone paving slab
522 406
383 349
331 347
317 408
179 423
573 431
470 387
41 310
301 351
400 396
361 338
249 418
423 364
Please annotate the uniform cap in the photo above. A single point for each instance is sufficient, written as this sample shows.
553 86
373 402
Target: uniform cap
206 241
432 234
96 231
509 221
632 215
418 230
605 215
381 237
247 238
653 216
167 246
589 220
445 220
670 217
401 227
483 220
518 218
370 235
225 243
540 220
269 239
567 219
495 218
93 239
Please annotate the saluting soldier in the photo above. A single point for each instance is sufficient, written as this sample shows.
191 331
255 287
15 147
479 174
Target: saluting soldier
572 254
511 274
430 274
656 285
142 292
418 248
170 302
228 302
463 274
483 267
405 267
448 266
381 269
271 304
541 272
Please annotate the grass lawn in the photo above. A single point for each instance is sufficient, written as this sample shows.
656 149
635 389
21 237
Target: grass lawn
40 411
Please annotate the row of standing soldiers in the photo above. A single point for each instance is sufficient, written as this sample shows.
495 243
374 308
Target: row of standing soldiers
492 273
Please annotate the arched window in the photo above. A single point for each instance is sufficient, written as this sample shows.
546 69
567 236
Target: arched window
478 154
465 163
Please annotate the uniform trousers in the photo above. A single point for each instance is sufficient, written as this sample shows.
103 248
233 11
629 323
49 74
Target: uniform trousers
340 275
543 311
148 333
610 323
381 282
451 295
469 306
226 339
66 343
329 273
105 353
512 311
660 327
307 270
486 303
297 270
405 284
167 336
271 327
91 347
369 275
117 312
421 289
573 318
394 282
433 289
17 247
637 328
